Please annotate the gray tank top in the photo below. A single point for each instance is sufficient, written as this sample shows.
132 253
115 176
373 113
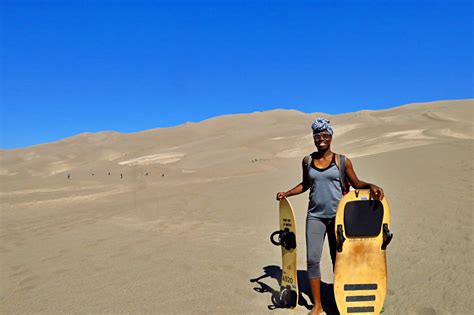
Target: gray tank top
325 191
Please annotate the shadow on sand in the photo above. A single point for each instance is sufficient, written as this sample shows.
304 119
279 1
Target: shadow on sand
274 272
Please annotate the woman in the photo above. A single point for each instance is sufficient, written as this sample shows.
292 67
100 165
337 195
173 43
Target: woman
321 174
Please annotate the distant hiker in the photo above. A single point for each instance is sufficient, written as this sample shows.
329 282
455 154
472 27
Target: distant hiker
327 186
121 176
68 176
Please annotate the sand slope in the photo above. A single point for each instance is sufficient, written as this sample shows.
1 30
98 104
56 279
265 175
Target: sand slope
190 241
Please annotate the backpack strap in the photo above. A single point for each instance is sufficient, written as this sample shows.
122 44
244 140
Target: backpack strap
343 174
341 164
307 162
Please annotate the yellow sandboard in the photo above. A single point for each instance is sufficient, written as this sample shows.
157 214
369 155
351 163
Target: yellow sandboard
287 240
362 235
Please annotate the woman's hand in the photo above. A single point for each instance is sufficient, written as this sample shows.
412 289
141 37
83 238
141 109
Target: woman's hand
376 192
281 195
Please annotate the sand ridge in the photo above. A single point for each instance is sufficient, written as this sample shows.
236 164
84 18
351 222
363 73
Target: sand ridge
161 158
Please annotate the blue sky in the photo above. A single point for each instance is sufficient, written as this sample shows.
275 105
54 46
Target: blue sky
75 66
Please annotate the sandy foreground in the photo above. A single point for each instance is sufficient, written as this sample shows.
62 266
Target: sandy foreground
189 236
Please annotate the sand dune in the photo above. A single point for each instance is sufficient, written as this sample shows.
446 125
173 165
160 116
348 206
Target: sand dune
177 220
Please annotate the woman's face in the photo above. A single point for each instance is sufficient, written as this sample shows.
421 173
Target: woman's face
322 139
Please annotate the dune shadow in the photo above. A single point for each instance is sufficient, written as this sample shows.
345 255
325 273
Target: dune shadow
304 287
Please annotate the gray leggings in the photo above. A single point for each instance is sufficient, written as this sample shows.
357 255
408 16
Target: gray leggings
316 230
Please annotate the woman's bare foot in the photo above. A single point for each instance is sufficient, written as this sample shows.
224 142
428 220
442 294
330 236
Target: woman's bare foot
317 310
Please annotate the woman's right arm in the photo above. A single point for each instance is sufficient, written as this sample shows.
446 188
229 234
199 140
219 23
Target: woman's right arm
298 189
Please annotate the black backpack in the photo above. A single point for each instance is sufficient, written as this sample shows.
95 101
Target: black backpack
341 165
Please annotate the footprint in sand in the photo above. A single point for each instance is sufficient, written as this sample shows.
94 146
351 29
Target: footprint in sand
428 311
4 250
122 251
60 271
96 242
16 267
51 258
26 283
143 257
18 273
119 254
60 254
144 240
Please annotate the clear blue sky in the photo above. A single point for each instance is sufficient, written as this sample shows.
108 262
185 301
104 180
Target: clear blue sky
74 66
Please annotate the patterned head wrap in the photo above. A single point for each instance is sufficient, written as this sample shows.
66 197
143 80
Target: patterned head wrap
321 124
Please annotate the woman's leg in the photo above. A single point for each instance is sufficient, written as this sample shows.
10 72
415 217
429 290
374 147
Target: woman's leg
315 233
316 290
330 230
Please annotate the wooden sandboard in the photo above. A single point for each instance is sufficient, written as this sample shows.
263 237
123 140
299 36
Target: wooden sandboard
362 234
287 241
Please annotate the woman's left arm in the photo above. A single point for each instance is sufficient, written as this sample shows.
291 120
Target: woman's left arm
375 190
